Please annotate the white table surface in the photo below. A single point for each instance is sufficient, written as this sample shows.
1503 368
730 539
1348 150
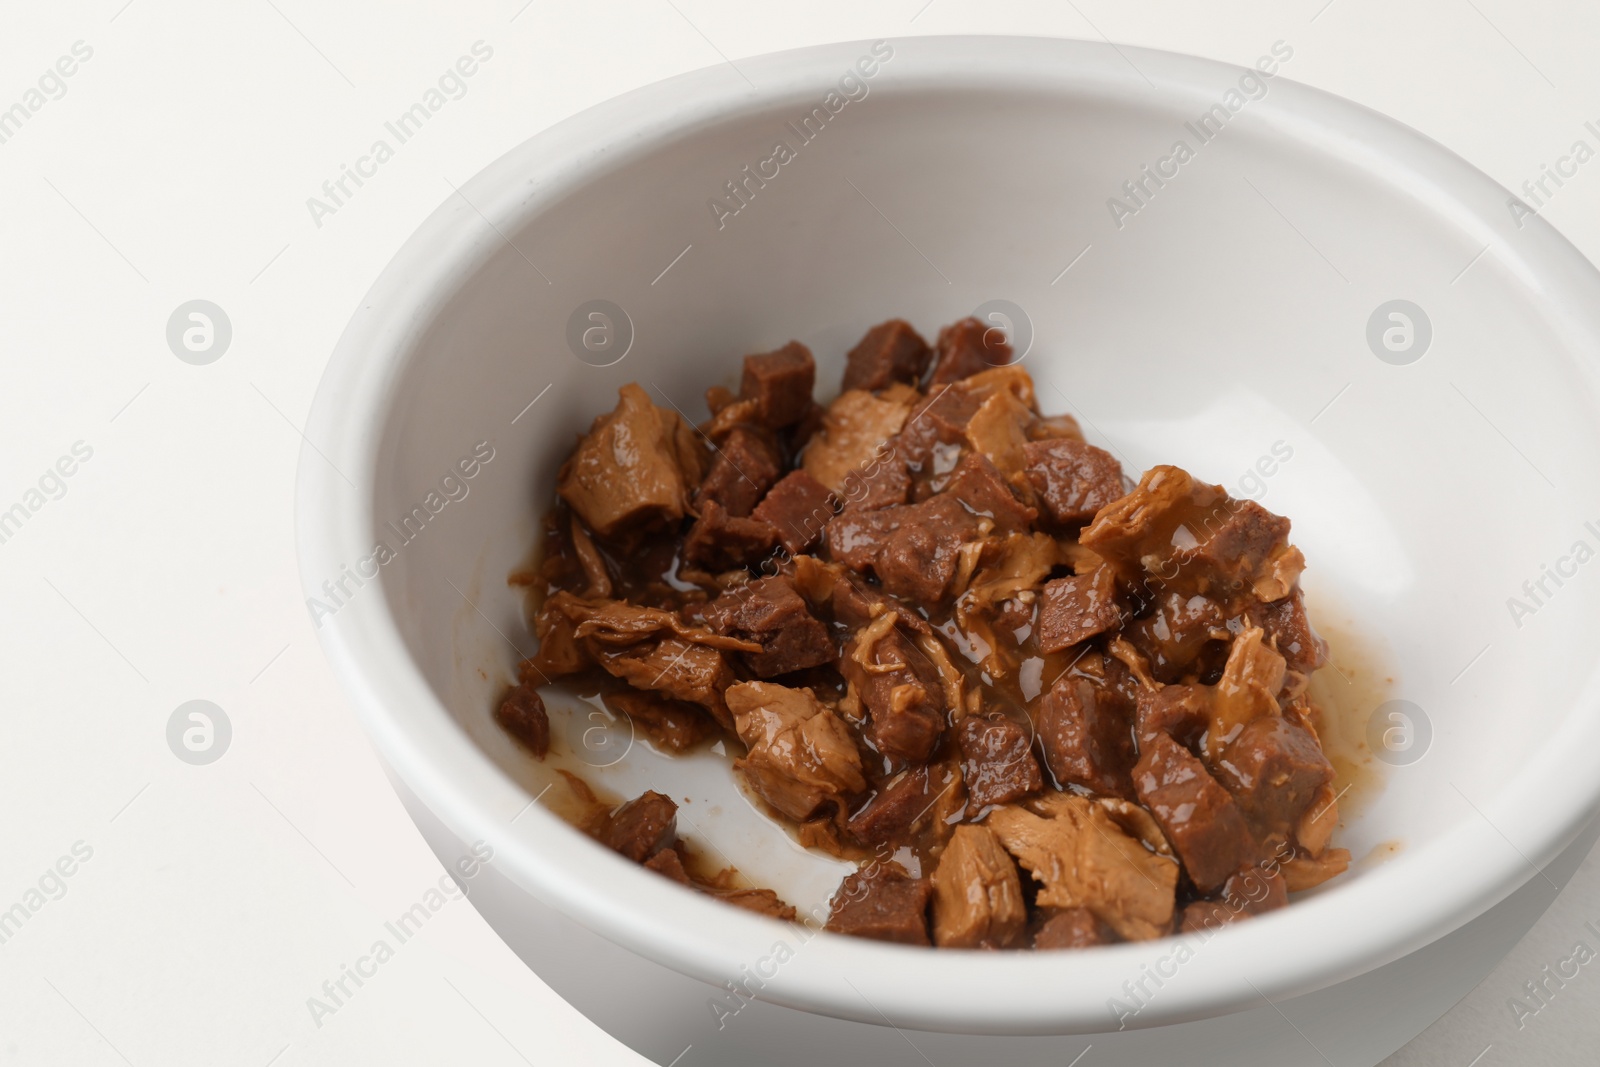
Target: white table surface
174 165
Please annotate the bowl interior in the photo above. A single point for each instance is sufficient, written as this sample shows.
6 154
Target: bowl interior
1216 318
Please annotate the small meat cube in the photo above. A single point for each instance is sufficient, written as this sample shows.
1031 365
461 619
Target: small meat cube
1198 816
1086 733
1077 607
1290 631
771 614
801 756
939 419
673 725
798 507
912 548
1182 712
997 761
1174 635
724 542
635 465
918 560
1275 770
899 687
780 383
799 435
855 432
890 352
967 347
976 482
642 827
882 481
1252 891
1073 479
903 808
745 466
669 864
1243 537
1256 890
1193 538
1072 928
977 896
521 714
883 902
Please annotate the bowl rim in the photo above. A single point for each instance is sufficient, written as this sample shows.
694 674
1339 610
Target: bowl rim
1412 900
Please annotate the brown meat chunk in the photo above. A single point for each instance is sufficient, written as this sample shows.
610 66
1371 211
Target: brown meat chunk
908 805
797 507
967 347
780 383
745 466
635 465
883 902
642 827
1077 607
724 542
1252 891
899 687
912 548
1192 538
1072 928
672 725
1175 633
1289 630
1275 770
801 756
1086 733
1182 712
521 714
936 429
769 613
977 483
855 435
977 896
1198 816
890 352
997 761
1072 479
884 480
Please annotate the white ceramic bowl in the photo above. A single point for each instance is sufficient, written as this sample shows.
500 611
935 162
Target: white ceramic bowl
1227 314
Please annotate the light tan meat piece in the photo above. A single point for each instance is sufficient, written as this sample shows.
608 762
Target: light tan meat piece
853 429
1082 858
1184 535
1247 689
977 896
646 647
637 463
800 754
999 429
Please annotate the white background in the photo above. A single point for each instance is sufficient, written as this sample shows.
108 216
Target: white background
177 166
